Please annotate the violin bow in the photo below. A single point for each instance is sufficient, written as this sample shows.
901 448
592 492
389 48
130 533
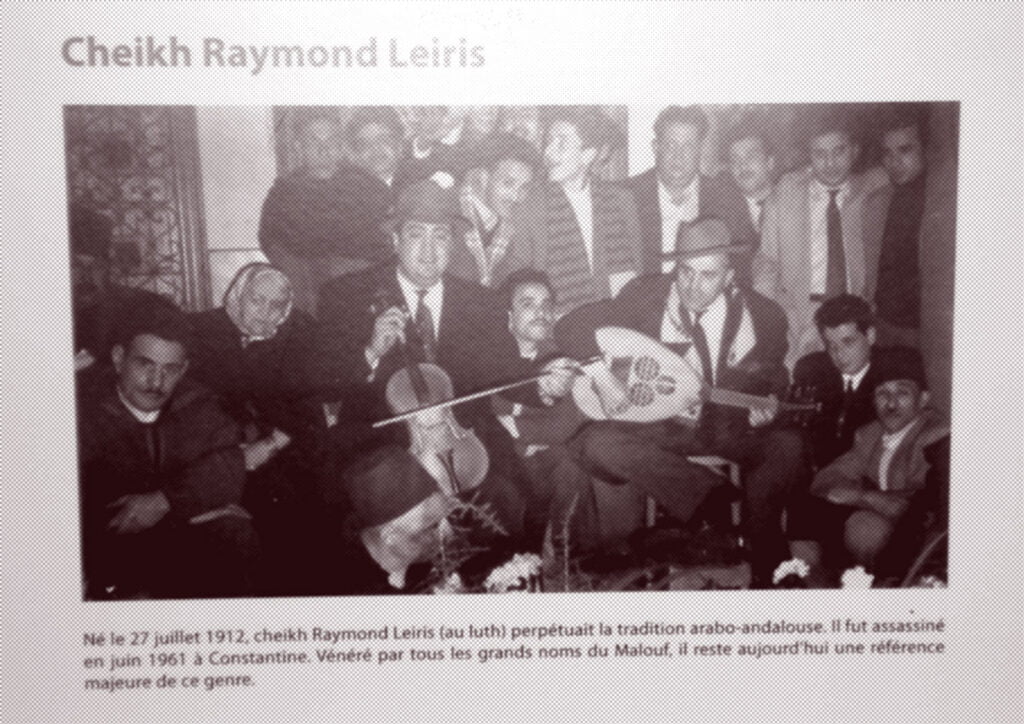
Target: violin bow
468 398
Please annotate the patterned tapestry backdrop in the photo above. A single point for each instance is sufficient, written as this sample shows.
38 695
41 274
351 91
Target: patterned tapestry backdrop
139 167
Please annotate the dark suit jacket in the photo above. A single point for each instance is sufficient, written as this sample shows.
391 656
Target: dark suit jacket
824 384
718 197
470 332
640 306
195 459
259 385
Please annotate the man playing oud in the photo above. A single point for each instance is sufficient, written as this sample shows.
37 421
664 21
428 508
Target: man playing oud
733 339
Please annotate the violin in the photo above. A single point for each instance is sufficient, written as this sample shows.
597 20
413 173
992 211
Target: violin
452 455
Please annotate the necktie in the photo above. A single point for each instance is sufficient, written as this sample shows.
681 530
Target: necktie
153 446
844 411
758 222
425 326
700 343
835 280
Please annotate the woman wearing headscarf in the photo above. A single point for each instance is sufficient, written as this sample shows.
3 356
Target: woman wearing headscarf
249 352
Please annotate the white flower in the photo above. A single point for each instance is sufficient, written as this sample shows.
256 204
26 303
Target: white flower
793 567
857 578
442 179
451 585
514 575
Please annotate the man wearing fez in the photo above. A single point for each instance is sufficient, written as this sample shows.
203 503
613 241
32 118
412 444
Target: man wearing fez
675 192
733 339
323 219
372 322
813 232
161 473
503 167
581 230
894 477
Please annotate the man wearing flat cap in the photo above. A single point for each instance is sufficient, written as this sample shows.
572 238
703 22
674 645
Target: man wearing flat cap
374 321
734 339
895 475
579 229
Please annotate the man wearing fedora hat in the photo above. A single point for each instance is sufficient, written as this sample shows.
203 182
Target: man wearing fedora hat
411 308
735 339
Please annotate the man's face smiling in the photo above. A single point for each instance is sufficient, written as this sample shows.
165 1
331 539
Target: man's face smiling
832 158
532 316
423 251
149 370
902 155
751 167
377 149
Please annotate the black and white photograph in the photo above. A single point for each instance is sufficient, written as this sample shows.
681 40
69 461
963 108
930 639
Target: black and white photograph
474 349
443 360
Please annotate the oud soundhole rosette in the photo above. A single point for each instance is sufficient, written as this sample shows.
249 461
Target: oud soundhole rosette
665 385
646 368
641 394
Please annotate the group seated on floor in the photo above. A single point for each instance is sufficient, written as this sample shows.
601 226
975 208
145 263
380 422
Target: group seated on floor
423 428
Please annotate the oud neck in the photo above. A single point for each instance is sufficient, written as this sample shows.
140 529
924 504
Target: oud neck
732 398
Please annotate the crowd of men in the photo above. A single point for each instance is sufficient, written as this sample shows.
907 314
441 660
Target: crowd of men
238 451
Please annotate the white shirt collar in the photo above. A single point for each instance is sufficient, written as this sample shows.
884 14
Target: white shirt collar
433 298
821 192
142 416
857 377
690 194
891 440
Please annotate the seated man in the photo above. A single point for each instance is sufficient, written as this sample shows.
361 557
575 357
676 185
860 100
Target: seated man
842 378
559 489
893 468
733 339
161 474
374 326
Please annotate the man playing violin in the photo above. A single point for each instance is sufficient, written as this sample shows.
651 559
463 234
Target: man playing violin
376 323
733 339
